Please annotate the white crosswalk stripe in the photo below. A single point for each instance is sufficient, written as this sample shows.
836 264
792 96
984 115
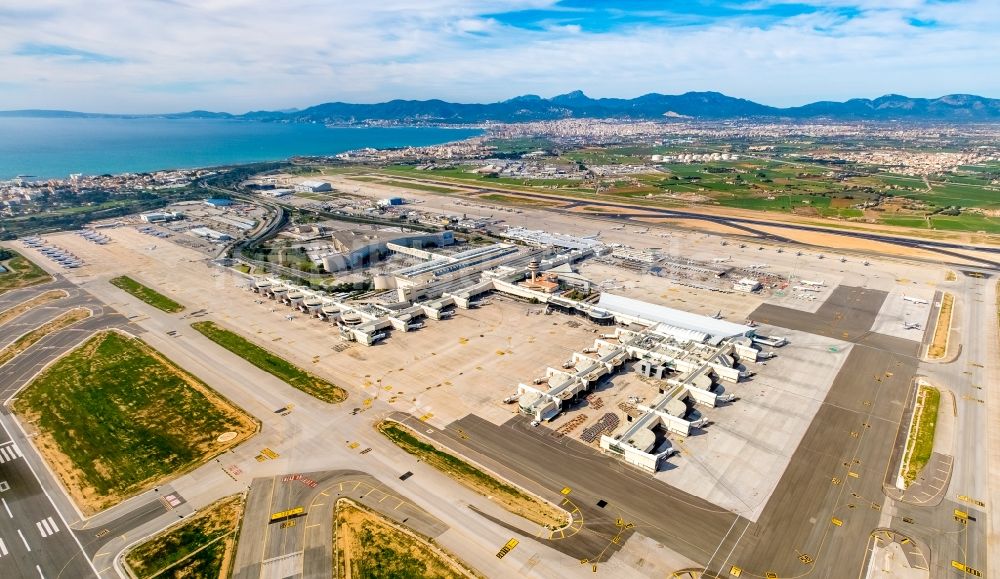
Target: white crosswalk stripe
9 452
3 548
47 527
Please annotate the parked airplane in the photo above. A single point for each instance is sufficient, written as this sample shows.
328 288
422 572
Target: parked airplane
812 283
911 325
915 300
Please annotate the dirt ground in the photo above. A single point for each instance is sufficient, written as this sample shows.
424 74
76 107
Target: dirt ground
370 546
843 242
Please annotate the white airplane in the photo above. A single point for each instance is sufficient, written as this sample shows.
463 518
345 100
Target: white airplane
757 266
914 300
721 259
911 325
813 283
806 288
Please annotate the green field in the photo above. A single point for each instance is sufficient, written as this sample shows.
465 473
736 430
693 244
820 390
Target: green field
201 546
920 442
114 418
280 368
148 295
21 272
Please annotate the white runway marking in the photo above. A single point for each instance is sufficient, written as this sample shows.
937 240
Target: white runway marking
23 540
40 571
3 548
9 514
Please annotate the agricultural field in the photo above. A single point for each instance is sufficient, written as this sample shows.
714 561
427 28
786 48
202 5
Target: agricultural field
147 294
280 368
509 497
114 417
369 546
202 546
19 271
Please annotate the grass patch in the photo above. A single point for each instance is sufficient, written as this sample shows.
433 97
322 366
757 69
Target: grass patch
13 312
920 440
939 345
146 294
511 498
369 546
202 546
21 272
114 417
34 336
278 367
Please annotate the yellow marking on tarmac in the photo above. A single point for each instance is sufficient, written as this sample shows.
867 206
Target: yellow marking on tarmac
325 494
837 522
383 498
853 474
961 514
735 571
566 490
353 445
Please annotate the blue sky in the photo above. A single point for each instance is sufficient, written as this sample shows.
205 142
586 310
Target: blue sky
238 55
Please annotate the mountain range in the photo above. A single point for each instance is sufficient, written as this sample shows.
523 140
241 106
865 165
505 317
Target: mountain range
694 105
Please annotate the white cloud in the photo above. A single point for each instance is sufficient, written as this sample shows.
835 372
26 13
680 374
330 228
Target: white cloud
240 55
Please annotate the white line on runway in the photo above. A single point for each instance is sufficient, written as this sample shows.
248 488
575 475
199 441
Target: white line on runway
23 540
3 548
9 514
39 571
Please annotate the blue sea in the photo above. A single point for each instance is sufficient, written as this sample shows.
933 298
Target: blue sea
55 148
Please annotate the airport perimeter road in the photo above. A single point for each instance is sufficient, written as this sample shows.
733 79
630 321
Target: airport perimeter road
301 544
14 297
35 540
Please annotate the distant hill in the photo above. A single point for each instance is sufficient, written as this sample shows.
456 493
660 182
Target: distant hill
696 105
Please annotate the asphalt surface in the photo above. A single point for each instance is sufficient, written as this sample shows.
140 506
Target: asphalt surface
34 538
836 472
303 544
48 548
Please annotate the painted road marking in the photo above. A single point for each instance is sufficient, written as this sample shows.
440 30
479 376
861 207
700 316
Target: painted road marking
3 548
23 540
9 514
9 452
735 571
837 522
47 527
566 490
506 548
39 568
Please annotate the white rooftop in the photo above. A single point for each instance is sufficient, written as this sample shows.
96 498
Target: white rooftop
718 329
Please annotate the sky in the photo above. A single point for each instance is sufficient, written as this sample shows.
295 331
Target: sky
156 56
